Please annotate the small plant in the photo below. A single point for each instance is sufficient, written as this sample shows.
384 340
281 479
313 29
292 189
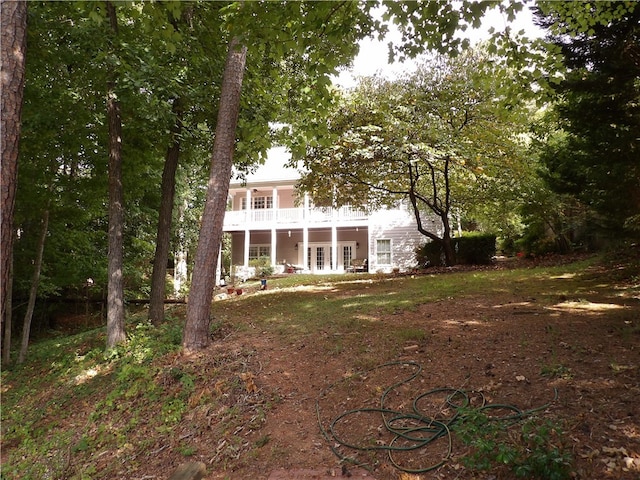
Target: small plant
533 452
187 450
556 370
262 441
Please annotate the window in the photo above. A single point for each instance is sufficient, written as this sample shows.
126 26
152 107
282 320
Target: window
257 251
383 252
320 258
346 256
257 203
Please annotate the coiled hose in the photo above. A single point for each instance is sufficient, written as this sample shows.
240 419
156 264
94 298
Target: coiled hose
413 430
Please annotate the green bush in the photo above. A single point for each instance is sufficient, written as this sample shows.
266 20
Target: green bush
475 248
470 249
263 266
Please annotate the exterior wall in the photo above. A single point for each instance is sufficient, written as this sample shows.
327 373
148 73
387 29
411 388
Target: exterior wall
400 228
332 238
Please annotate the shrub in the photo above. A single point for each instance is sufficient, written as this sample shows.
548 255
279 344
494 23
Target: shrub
471 248
262 265
475 248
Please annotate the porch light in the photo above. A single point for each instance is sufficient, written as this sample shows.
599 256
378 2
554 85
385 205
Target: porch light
357 245
296 246
289 233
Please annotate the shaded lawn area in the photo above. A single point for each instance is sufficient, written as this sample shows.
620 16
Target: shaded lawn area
297 375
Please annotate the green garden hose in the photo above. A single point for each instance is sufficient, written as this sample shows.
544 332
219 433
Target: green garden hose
415 430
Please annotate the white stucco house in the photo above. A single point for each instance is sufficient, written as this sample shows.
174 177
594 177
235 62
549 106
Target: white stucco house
267 218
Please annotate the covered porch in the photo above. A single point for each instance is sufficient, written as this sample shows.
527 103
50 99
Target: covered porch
310 250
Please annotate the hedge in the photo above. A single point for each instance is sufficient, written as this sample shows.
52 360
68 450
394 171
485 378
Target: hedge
470 249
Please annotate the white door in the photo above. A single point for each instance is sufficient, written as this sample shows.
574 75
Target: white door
319 258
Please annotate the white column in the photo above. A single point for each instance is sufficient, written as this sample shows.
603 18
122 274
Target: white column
219 266
247 212
274 246
334 246
305 233
305 247
247 243
274 242
247 231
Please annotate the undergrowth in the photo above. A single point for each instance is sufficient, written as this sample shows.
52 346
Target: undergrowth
528 448
73 409
55 441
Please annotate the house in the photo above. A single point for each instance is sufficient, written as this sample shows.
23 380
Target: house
267 218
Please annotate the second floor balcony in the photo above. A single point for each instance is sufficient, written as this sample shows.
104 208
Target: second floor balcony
291 217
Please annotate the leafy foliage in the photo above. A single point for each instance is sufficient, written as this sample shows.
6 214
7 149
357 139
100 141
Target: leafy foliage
535 451
471 248
444 138
593 154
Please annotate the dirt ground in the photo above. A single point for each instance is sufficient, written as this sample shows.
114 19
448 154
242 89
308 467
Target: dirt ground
574 362
273 404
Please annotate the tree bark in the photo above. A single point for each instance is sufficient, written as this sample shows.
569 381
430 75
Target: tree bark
115 282
168 190
35 281
6 347
196 331
438 206
449 253
13 46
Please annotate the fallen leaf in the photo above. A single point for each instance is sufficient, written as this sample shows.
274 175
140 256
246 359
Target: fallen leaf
249 384
615 451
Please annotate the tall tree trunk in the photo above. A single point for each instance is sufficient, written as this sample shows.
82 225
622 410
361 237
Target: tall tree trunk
440 207
13 46
35 281
447 246
449 253
115 282
196 331
168 191
8 320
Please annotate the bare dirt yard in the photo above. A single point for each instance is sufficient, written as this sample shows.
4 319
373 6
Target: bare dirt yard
447 374
567 356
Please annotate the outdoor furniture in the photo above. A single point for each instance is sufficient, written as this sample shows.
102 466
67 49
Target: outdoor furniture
293 268
358 265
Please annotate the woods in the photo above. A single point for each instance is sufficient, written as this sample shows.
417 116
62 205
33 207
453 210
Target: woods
13 51
123 124
128 103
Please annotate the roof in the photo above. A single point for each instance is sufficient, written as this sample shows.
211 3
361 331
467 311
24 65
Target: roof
274 169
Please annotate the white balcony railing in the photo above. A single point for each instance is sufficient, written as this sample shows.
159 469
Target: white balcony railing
292 216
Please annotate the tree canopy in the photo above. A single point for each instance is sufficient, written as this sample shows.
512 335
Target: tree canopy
592 147
416 128
444 138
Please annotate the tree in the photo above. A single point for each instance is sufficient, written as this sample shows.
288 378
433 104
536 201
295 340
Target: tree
13 48
191 59
313 42
115 294
436 139
593 151
37 267
196 330
168 188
